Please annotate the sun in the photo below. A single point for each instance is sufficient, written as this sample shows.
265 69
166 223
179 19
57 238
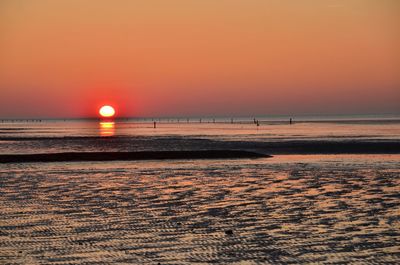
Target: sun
107 111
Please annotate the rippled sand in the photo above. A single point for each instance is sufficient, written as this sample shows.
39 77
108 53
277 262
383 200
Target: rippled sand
287 209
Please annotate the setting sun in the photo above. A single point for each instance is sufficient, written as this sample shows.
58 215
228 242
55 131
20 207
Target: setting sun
107 111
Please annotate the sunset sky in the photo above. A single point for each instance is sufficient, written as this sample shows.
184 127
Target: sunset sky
65 58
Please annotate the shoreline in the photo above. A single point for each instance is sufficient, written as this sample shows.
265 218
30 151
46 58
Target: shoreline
129 156
163 149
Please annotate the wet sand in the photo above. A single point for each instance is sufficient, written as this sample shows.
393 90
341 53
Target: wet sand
124 156
156 144
280 210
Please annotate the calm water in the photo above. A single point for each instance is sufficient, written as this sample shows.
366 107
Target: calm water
80 136
288 209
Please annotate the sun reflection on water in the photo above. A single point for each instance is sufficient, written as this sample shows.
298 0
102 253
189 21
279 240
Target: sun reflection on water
107 128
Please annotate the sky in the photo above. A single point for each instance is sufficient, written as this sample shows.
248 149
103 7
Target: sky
66 58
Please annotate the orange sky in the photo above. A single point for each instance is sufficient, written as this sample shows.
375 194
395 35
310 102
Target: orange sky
65 58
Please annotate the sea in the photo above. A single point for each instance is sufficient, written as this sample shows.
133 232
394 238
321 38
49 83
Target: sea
329 193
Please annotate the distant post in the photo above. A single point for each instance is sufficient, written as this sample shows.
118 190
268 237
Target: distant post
290 121
155 124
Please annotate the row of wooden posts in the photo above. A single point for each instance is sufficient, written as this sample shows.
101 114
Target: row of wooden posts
27 120
256 122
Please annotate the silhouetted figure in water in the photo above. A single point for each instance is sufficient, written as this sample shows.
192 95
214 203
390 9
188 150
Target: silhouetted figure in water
255 122
290 121
258 123
155 124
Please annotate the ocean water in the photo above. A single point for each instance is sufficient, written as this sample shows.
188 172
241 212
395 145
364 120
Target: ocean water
51 136
292 208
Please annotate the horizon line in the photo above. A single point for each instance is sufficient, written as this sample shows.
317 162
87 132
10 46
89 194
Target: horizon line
204 116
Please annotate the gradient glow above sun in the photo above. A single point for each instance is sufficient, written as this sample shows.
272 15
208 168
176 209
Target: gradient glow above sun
107 111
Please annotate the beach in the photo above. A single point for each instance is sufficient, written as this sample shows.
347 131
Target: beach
199 132
280 211
335 200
